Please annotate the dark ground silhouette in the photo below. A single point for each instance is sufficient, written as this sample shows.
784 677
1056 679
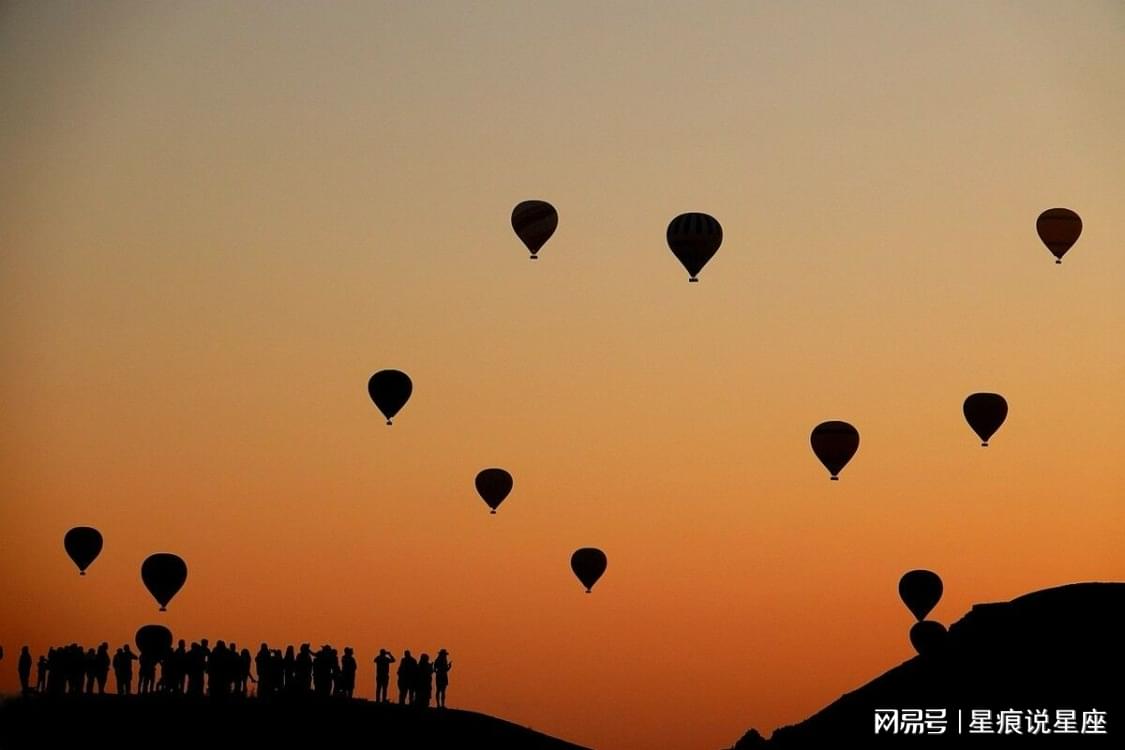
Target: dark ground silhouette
1056 650
160 720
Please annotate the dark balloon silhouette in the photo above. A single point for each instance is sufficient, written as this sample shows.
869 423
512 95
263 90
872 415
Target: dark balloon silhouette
927 637
920 591
390 390
1059 228
588 564
154 641
985 412
493 485
163 575
694 238
834 443
83 544
534 222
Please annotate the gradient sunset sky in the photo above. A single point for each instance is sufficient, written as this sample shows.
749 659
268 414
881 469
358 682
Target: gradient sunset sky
218 219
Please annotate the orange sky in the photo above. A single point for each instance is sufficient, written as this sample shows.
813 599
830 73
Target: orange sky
217 220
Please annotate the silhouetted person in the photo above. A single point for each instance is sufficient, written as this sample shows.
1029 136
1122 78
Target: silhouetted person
41 674
147 674
175 668
423 681
289 666
90 664
123 669
406 678
75 668
324 663
442 665
346 683
23 666
101 667
383 674
196 665
244 676
263 661
218 671
303 669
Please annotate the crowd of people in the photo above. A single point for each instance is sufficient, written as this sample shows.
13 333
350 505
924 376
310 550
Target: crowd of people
225 670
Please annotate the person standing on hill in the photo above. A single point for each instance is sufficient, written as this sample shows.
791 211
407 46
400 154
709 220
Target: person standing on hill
442 665
23 666
101 667
383 674
423 681
347 673
406 678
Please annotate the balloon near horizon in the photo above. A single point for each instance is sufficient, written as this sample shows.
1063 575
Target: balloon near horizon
163 574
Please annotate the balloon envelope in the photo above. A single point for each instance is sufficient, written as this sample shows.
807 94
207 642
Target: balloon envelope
985 412
83 544
1059 228
928 637
834 443
154 640
694 238
493 485
163 575
390 390
588 563
534 222
920 591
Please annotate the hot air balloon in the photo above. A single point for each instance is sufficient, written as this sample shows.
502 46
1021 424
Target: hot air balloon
493 485
163 575
534 222
834 443
928 637
1059 229
390 390
985 412
694 238
920 591
83 544
154 640
588 564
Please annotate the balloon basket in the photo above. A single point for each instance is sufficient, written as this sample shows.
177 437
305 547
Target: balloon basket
984 445
693 280
389 423
491 512
588 591
163 609
1058 261
835 479
81 572
535 257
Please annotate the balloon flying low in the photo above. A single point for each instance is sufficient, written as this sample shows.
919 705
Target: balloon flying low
985 412
493 485
834 443
163 575
83 544
694 238
154 640
1059 229
928 637
920 591
534 223
390 390
588 563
